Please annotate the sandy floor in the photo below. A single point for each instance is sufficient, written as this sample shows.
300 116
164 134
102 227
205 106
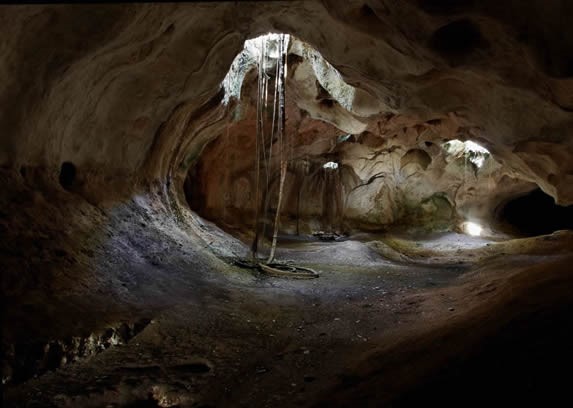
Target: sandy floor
222 336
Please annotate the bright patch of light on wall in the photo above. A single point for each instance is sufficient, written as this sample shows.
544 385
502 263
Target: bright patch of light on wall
250 56
330 79
331 165
472 228
470 150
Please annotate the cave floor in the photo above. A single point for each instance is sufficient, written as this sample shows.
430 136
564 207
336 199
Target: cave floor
224 336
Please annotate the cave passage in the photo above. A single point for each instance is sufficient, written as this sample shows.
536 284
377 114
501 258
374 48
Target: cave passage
536 213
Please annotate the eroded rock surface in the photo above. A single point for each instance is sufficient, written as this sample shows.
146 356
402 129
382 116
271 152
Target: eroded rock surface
112 114
388 170
95 88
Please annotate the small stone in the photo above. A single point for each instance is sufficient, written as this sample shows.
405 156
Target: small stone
451 309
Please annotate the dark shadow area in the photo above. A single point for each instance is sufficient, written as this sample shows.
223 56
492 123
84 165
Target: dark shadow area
457 39
192 189
446 6
522 365
535 214
67 175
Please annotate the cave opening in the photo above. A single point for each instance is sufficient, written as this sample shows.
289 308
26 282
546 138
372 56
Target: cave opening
535 213
262 90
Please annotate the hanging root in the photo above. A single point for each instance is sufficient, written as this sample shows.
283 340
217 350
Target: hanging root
261 146
288 271
279 270
278 212
280 131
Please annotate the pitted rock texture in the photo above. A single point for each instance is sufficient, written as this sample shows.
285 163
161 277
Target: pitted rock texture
106 108
101 83
390 170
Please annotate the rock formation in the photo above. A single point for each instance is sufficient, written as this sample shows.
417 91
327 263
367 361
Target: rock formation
120 142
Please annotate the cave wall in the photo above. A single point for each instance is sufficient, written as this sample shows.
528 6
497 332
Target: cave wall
380 182
106 107
97 86
392 170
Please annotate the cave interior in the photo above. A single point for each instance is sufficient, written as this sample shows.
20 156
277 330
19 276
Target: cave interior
246 204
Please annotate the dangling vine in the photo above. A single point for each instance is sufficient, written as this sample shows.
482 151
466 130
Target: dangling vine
266 138
281 79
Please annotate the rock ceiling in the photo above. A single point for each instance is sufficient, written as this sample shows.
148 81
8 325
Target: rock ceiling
119 90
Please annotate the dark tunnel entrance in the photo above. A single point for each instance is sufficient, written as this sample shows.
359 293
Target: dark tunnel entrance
535 213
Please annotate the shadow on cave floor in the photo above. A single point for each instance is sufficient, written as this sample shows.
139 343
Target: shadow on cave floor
218 335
